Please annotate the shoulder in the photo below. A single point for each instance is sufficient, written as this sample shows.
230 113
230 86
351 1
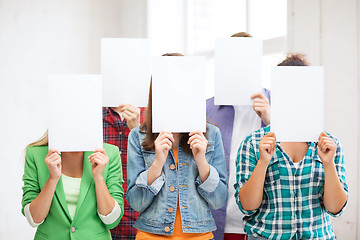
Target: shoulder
110 148
135 133
212 131
337 142
256 136
210 102
112 151
332 137
36 151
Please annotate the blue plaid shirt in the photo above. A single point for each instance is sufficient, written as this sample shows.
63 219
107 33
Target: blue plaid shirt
292 206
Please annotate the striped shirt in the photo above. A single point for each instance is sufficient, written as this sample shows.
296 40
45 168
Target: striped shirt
292 206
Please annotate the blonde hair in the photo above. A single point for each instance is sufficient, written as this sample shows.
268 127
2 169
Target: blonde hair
43 141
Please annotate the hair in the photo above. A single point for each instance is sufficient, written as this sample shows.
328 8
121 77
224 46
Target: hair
294 59
173 54
146 127
241 34
43 141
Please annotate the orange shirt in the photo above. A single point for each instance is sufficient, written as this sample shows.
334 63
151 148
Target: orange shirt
178 233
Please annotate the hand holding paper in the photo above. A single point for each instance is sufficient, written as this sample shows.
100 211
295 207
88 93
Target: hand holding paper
267 147
326 148
163 144
198 144
53 162
131 114
98 159
261 106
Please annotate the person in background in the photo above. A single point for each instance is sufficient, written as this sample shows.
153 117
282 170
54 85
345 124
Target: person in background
235 123
174 179
75 195
117 124
289 190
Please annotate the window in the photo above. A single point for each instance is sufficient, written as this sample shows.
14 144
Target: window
191 26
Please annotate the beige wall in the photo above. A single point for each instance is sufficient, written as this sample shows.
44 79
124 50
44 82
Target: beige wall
37 38
328 32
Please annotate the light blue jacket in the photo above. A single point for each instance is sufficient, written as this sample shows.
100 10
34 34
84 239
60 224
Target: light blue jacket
153 201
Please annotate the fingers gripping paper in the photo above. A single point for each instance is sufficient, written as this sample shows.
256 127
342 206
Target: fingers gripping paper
178 94
75 116
297 108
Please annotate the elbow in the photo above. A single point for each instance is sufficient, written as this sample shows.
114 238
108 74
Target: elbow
248 204
333 205
220 199
135 202
336 208
114 224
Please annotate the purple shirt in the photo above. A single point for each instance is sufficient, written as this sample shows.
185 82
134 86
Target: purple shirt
223 117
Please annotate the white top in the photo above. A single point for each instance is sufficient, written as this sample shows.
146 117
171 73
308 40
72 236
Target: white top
72 189
245 121
296 164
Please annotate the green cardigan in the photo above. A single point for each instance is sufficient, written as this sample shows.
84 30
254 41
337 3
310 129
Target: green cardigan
58 223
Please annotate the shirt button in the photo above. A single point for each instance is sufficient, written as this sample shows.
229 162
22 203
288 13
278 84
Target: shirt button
172 189
172 166
120 133
170 209
167 229
120 152
73 229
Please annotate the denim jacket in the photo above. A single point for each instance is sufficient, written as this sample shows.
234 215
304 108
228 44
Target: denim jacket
157 202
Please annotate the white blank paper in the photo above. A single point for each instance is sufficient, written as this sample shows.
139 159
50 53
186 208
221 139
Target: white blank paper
297 103
125 71
237 70
75 113
178 94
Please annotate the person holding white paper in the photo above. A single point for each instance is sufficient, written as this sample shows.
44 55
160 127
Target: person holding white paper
71 195
235 123
289 190
174 179
117 124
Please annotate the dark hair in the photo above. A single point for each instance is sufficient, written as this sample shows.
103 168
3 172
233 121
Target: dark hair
146 127
173 54
294 59
241 34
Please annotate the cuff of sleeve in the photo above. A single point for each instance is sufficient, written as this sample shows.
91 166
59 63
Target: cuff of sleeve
29 217
111 217
237 187
155 187
339 213
211 182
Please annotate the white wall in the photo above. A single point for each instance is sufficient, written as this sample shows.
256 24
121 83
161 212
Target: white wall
328 32
37 38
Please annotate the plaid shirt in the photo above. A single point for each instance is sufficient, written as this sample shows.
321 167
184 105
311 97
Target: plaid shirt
292 206
116 132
